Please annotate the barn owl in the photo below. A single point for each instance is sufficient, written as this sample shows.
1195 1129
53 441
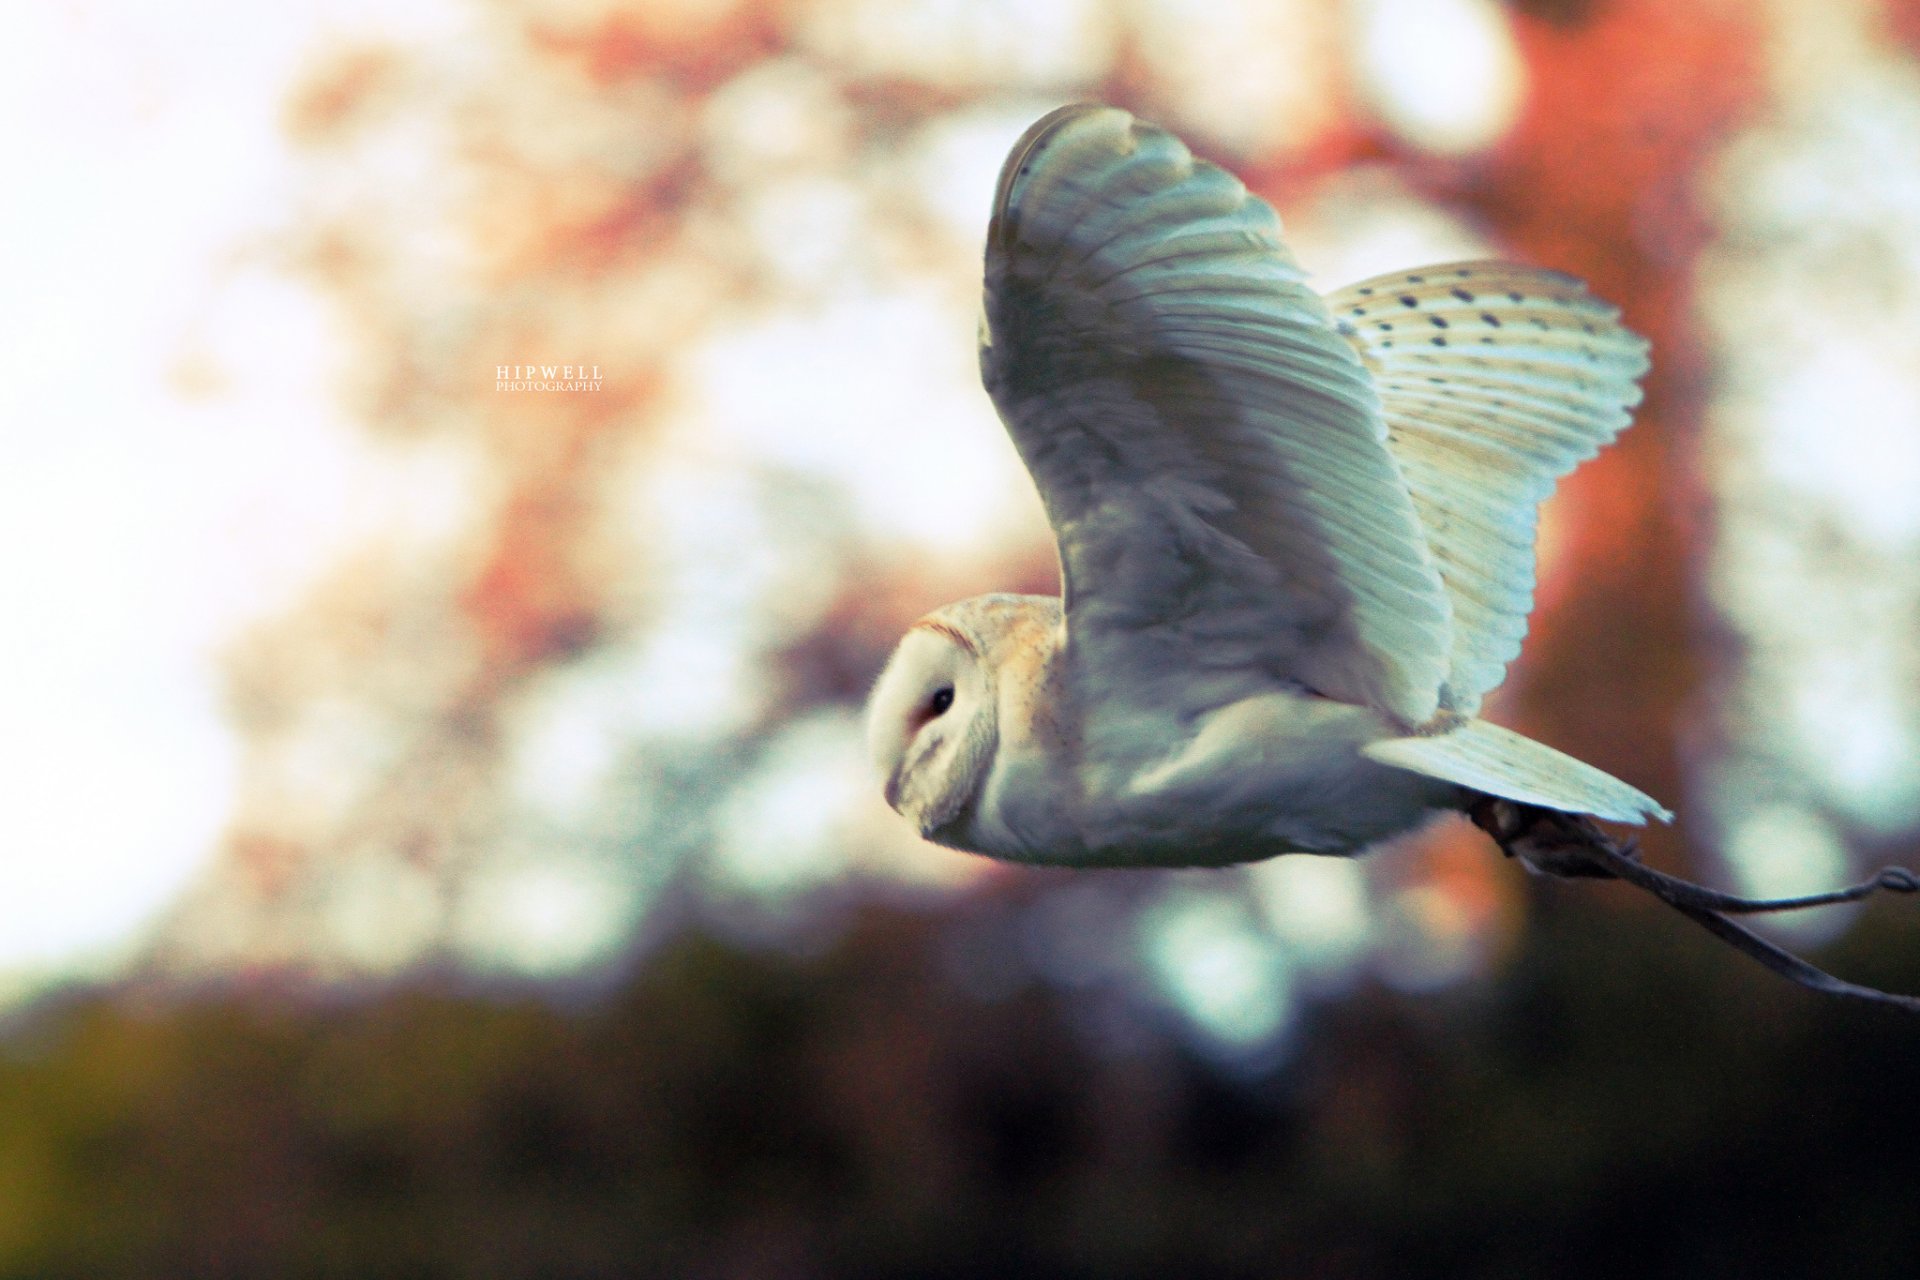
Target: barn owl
1296 533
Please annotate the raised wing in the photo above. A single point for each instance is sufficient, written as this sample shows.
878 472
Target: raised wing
1210 451
1495 380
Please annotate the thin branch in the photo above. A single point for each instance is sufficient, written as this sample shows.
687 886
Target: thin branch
1569 846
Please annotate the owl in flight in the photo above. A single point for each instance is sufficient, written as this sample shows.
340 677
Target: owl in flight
1296 532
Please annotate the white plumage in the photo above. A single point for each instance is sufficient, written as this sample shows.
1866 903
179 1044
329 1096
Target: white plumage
1296 534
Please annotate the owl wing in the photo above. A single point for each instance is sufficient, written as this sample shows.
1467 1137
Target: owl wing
1495 380
1210 449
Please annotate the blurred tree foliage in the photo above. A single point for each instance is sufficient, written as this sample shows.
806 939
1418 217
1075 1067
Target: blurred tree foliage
1621 1102
623 183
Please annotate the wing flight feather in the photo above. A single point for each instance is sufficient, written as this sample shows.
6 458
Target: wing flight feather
1495 381
1210 449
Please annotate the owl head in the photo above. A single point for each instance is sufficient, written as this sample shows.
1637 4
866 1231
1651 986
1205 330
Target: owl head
934 718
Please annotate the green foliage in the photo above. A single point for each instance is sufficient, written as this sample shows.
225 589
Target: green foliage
1624 1100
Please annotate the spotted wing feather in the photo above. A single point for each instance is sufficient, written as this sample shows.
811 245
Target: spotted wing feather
1495 380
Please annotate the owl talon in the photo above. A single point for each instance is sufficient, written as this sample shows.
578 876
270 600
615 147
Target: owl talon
1570 847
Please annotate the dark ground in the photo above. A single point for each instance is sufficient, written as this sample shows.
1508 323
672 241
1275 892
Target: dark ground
1624 1098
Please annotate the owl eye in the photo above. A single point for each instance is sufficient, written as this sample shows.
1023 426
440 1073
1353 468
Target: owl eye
942 699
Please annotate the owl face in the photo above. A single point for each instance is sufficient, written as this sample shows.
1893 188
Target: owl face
931 724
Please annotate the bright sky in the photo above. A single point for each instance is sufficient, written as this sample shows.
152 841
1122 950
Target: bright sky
141 524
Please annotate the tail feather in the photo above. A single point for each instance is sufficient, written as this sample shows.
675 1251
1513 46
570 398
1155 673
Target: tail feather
1501 763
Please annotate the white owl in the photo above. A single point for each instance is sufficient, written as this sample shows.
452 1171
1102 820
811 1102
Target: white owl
1296 533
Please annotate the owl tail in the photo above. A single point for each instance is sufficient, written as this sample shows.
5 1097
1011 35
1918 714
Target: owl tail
1501 763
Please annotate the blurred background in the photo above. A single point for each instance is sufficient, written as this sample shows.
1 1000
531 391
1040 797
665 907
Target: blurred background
439 840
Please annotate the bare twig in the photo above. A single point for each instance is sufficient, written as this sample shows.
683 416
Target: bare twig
1569 846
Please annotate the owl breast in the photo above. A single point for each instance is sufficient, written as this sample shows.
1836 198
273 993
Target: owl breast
1275 773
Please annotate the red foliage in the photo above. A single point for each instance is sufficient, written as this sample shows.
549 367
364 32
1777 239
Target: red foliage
697 47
